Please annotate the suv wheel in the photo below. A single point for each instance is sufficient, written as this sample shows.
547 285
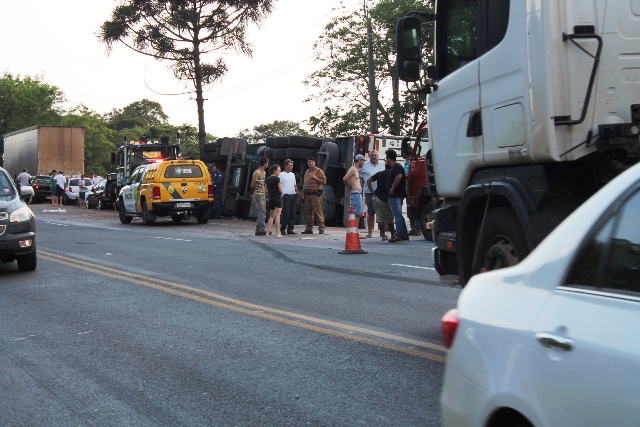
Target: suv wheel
27 262
203 216
122 213
145 214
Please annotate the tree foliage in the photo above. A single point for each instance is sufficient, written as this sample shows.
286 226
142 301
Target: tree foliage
139 113
275 128
27 101
184 32
343 83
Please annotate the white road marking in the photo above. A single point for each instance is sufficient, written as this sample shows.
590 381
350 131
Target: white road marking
414 266
170 238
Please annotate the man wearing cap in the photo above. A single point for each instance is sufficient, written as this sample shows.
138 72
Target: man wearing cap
289 192
352 181
396 192
314 179
370 168
216 180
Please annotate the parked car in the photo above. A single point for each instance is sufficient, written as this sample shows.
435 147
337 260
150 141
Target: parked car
101 196
554 341
73 189
17 226
41 189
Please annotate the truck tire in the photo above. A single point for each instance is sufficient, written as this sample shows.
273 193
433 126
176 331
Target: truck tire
502 242
331 156
305 142
425 217
300 153
28 262
280 153
203 216
209 148
145 214
270 141
122 214
281 142
261 151
268 153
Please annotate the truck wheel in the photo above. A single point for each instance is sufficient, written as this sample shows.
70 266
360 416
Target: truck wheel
427 216
27 262
502 242
145 214
203 216
122 213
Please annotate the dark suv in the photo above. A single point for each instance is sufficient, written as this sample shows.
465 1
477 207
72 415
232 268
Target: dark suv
41 189
17 227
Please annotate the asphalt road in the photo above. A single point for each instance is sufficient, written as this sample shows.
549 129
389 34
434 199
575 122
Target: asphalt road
188 324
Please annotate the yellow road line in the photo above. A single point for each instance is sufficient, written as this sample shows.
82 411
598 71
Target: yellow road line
239 307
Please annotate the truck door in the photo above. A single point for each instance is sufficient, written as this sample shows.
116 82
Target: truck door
130 192
455 106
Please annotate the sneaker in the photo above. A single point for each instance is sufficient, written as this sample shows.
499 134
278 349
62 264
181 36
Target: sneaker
283 232
290 232
395 240
321 232
307 232
261 233
405 238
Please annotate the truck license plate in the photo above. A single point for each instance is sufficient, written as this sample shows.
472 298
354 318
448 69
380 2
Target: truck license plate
183 205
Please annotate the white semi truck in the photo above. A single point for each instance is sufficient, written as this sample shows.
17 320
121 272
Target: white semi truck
532 107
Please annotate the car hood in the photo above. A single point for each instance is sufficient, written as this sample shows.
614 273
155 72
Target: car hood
9 204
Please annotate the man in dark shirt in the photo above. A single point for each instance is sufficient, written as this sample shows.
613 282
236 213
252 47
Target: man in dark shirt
396 192
380 202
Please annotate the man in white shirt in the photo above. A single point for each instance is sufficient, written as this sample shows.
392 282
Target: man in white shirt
370 168
61 186
289 193
95 178
24 178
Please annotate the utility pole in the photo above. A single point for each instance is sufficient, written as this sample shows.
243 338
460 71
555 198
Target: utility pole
373 96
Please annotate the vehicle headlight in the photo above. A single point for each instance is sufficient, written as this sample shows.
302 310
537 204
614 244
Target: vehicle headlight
20 215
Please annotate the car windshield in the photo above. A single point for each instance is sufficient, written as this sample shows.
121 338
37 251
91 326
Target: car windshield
183 171
6 188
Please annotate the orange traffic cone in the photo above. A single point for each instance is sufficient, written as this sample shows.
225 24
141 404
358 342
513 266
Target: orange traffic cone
352 245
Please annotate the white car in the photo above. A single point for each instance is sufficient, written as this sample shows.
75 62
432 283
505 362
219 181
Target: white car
554 340
73 189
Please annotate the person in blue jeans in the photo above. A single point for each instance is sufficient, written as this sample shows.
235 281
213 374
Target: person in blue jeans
216 180
397 191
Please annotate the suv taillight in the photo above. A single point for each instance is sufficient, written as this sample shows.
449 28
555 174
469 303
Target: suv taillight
450 322
210 191
156 193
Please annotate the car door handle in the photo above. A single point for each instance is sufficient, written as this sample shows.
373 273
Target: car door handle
549 340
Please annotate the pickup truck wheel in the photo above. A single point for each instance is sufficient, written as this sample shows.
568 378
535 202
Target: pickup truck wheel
502 242
145 214
426 217
203 216
27 262
122 213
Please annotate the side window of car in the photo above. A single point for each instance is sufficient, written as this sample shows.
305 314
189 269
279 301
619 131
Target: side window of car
611 262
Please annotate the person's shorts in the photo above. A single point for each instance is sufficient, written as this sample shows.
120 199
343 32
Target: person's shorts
383 211
368 197
81 195
275 203
59 191
356 202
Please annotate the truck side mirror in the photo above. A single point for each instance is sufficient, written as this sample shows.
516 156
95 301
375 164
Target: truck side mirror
408 57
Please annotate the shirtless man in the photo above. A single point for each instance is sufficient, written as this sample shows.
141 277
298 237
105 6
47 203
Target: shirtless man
352 181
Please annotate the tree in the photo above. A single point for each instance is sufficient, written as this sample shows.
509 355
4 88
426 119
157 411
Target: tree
97 138
139 113
183 32
342 84
275 128
27 101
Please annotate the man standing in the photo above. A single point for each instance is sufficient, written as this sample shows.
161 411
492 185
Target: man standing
82 191
60 188
52 186
216 180
397 190
95 178
314 179
289 192
381 203
352 181
370 168
258 198
23 178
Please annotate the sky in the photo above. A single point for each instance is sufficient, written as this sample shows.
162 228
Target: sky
57 40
